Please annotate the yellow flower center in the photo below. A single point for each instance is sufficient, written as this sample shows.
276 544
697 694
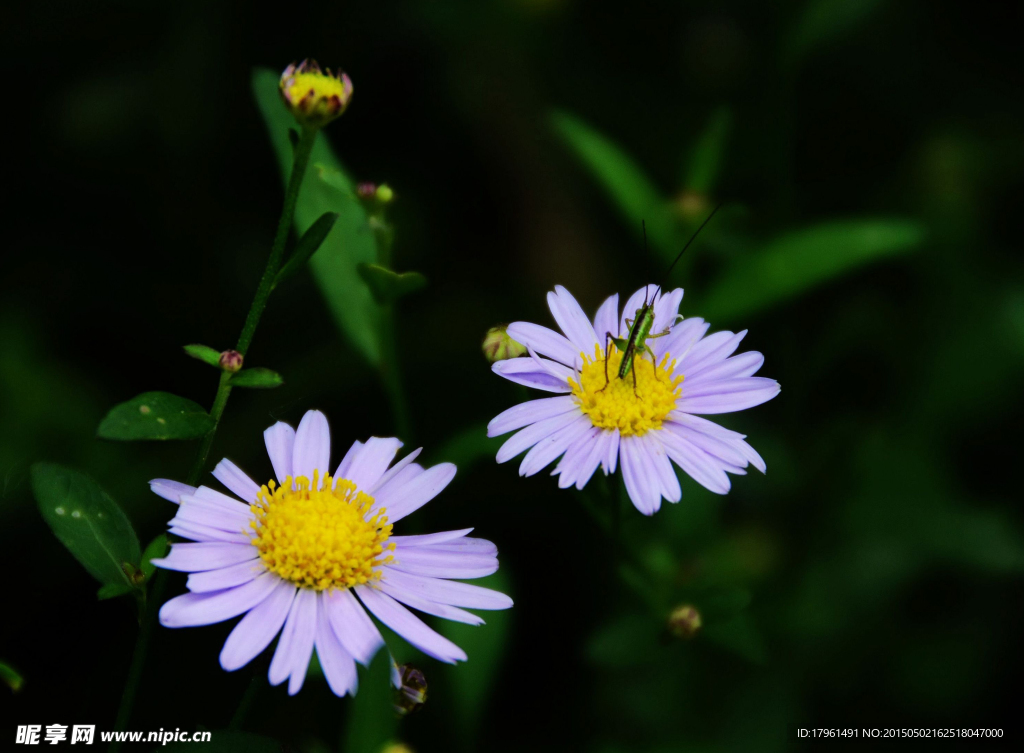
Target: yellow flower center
615 403
320 538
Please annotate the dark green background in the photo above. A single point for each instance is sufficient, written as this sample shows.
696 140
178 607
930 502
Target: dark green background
882 553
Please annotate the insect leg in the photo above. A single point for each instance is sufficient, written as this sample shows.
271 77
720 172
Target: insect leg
607 349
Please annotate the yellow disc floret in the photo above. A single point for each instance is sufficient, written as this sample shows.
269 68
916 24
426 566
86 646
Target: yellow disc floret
320 537
615 403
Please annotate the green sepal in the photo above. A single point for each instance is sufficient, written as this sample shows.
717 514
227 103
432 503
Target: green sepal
155 415
11 677
88 522
257 378
387 286
204 353
307 246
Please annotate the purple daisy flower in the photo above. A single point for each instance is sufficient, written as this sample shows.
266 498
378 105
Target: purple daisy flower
604 421
307 556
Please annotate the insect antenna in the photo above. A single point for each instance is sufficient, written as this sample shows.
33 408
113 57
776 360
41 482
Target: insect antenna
647 259
692 239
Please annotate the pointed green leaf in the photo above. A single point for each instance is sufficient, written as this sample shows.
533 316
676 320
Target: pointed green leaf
113 590
87 521
257 377
387 286
705 160
326 188
372 719
803 259
635 195
10 677
204 353
308 244
156 549
155 415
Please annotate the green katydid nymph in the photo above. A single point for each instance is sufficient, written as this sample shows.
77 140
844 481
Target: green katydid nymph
642 322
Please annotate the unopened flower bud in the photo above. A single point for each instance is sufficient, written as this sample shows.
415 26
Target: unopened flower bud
373 195
315 98
498 346
412 693
684 622
231 361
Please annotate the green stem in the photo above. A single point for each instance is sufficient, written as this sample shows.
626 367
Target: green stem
389 371
303 150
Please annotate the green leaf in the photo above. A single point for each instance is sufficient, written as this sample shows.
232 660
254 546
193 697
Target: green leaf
473 683
635 195
308 244
156 549
155 415
87 521
226 741
327 188
204 353
372 720
822 22
804 259
257 377
387 286
705 161
11 677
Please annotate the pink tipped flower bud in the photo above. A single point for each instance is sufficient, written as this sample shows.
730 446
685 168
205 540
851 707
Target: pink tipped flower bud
315 98
231 361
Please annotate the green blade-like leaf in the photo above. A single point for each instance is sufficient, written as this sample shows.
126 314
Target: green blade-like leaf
204 353
372 720
155 415
327 188
387 286
257 377
11 678
87 521
473 682
308 244
801 260
629 188
705 160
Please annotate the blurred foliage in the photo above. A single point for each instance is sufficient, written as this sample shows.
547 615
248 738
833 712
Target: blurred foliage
870 160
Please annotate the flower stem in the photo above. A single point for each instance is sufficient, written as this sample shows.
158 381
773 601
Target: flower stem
384 236
303 150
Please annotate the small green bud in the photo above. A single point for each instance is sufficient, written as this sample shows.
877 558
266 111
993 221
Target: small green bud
684 622
231 361
385 195
396 748
498 346
412 693
315 98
